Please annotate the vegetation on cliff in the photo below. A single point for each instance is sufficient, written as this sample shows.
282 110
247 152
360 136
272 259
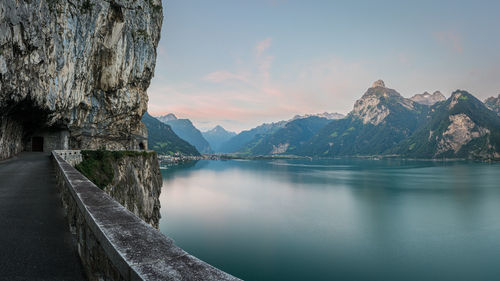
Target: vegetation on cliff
97 164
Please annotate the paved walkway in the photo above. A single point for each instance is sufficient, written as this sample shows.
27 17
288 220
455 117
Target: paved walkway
35 242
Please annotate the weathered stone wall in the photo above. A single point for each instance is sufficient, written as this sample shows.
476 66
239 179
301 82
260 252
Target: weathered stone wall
82 66
114 244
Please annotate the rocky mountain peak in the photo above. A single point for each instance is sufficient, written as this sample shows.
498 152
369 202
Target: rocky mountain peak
375 105
492 100
378 83
493 104
167 117
428 99
464 98
218 130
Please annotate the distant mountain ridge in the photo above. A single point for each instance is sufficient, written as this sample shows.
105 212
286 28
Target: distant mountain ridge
258 140
493 104
167 117
383 122
163 140
378 121
185 129
217 136
428 99
287 139
237 142
326 115
461 127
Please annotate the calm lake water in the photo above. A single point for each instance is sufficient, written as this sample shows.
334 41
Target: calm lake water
337 219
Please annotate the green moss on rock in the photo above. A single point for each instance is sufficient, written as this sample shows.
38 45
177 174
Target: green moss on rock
97 164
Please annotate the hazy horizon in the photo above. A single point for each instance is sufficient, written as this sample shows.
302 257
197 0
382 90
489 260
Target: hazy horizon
239 64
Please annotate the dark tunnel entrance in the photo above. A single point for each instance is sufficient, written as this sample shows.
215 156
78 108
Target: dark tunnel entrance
37 135
37 144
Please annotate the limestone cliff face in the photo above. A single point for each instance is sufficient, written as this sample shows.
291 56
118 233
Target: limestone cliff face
80 66
132 178
375 105
460 132
137 185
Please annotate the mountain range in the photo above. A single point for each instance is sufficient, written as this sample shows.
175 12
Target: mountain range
383 122
287 139
379 120
428 99
236 143
163 139
260 140
185 129
460 127
217 136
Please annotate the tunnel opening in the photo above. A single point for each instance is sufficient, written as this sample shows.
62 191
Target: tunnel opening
36 135
142 146
37 144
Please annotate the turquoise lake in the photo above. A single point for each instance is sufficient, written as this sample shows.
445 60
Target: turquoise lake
337 219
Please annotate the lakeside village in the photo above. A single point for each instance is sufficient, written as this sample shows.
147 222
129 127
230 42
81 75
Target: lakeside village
178 158
167 160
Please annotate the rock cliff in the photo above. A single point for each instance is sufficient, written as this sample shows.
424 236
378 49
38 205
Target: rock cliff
375 105
137 186
380 119
76 70
460 127
132 178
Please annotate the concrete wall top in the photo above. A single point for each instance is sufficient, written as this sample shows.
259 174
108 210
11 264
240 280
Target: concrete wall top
136 249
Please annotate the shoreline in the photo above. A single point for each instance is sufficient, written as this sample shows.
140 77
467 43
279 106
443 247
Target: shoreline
169 160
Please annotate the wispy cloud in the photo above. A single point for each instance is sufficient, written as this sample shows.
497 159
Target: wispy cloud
305 87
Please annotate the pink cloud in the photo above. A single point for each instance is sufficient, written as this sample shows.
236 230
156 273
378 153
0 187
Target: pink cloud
263 45
323 84
450 39
256 73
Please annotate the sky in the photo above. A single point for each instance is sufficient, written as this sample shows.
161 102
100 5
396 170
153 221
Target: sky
241 63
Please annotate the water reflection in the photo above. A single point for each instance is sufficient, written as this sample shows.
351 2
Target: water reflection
344 219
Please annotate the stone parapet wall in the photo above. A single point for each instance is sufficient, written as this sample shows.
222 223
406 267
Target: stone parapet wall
136 181
73 157
115 244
